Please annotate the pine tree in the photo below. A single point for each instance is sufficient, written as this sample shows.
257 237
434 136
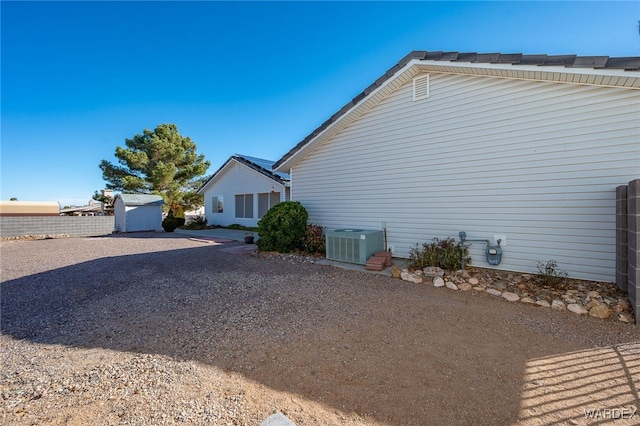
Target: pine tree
159 162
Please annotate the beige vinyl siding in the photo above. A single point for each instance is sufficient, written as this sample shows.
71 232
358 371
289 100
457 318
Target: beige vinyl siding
237 179
535 161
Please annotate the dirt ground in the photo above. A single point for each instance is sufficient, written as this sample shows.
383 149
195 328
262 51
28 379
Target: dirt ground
158 329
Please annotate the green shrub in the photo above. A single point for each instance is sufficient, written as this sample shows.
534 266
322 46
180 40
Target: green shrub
446 254
550 274
314 240
170 223
283 227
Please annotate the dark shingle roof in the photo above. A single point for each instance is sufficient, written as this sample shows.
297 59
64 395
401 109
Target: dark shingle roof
631 63
515 59
261 165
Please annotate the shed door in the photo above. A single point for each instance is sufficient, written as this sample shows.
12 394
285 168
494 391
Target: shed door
143 218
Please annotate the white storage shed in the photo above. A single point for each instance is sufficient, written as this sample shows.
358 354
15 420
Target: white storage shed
138 212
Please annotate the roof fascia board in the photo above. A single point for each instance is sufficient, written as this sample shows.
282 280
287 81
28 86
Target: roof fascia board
452 65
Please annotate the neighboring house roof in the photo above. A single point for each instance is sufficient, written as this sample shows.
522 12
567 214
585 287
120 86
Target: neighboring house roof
265 167
92 208
140 199
592 70
29 208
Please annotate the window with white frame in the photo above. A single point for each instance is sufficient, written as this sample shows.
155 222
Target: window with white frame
217 204
266 200
244 206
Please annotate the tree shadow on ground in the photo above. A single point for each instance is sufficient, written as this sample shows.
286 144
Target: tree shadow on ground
357 342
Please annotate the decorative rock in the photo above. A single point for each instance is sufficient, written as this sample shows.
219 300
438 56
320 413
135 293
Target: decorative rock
511 297
593 294
438 282
557 304
451 285
478 288
577 309
473 281
600 311
465 287
395 272
625 317
527 299
592 304
415 279
494 292
526 277
433 270
408 276
543 303
428 277
621 306
499 284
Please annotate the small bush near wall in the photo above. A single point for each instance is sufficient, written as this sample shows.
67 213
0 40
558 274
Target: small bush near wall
446 254
314 239
550 274
170 223
283 227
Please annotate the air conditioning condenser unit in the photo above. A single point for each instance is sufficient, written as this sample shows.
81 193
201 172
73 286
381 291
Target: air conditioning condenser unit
353 245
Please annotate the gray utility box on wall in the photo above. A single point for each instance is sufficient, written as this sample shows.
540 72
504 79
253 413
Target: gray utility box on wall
353 245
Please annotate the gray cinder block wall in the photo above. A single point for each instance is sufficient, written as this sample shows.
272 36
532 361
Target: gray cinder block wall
628 242
74 226
622 246
633 242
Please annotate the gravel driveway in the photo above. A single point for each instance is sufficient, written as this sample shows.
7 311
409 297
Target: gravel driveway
152 329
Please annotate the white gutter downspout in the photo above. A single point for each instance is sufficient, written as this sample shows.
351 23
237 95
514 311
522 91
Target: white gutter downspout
291 184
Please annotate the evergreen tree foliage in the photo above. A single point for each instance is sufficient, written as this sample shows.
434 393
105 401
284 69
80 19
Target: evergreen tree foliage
159 162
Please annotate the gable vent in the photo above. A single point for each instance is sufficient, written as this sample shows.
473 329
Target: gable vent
421 87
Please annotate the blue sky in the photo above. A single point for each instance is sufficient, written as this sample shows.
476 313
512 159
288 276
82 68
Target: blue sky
252 78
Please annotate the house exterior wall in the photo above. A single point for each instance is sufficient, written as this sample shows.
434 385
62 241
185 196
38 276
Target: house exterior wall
234 180
535 162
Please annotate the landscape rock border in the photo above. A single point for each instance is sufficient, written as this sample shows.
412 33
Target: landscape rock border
601 300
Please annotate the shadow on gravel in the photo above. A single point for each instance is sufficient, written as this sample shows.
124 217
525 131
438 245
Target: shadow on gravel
387 350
